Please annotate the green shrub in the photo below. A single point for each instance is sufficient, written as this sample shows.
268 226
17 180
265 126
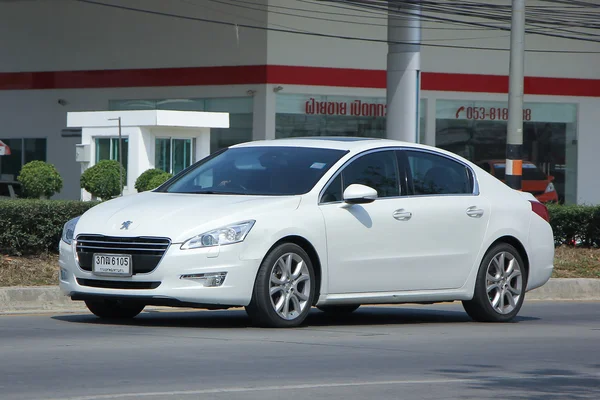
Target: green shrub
102 180
159 180
575 224
38 179
34 227
142 183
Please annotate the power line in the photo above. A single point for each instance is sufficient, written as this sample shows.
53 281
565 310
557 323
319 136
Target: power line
316 34
236 4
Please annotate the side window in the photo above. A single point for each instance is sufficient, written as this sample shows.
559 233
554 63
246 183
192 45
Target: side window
378 170
333 193
433 174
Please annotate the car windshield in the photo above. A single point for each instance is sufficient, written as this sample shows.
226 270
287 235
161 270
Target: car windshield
530 172
266 170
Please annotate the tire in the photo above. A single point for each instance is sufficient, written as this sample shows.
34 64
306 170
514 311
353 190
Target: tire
285 301
339 309
505 283
114 309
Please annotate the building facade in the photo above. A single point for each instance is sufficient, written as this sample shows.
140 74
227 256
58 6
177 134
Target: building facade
261 65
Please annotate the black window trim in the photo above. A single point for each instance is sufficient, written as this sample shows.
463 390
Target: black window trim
403 173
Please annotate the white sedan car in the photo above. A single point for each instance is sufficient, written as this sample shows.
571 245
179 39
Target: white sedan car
283 225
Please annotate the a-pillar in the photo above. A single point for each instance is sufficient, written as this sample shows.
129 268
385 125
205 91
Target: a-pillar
403 71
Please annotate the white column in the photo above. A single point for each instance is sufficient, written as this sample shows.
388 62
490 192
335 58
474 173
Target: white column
202 143
403 73
263 126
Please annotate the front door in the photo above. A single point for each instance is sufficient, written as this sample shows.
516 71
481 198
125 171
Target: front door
362 239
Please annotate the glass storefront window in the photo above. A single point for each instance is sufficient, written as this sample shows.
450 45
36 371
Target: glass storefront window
108 149
476 130
162 154
173 155
22 152
301 115
240 111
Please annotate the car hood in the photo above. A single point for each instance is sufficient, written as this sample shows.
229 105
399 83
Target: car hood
176 216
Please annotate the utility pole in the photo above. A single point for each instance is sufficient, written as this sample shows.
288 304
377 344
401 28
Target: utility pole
514 136
120 155
403 71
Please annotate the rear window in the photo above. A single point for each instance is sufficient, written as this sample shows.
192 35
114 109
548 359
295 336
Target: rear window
530 172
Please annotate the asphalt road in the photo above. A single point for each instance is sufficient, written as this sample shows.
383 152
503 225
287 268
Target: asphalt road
408 352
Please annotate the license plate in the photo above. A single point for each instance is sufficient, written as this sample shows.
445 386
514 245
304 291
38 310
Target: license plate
112 264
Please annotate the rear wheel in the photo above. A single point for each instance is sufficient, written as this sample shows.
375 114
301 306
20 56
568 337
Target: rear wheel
500 286
339 309
284 288
114 309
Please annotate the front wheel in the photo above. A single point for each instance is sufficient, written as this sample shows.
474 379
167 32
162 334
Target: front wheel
114 309
284 288
500 286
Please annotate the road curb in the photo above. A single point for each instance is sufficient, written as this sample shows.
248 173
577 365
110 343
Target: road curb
35 299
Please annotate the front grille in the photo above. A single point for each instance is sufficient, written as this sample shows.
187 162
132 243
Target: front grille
146 252
117 284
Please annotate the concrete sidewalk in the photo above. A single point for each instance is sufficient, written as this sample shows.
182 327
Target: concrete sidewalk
15 300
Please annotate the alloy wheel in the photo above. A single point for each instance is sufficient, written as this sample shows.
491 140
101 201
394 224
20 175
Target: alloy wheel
289 286
504 282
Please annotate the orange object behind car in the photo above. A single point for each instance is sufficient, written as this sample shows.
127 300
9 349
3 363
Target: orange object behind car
535 181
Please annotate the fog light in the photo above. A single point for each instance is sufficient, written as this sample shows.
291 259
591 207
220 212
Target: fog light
212 279
64 274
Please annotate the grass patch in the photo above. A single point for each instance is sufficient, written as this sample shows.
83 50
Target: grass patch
29 271
572 262
569 262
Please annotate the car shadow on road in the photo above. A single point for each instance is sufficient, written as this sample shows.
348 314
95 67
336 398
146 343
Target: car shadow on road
536 384
237 318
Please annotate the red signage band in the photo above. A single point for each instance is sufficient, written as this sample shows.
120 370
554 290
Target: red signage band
285 74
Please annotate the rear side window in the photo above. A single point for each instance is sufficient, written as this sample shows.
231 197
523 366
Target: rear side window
431 174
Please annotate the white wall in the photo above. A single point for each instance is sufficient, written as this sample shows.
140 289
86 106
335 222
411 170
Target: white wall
292 49
588 182
42 35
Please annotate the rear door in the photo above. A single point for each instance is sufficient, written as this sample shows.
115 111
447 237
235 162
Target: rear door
448 222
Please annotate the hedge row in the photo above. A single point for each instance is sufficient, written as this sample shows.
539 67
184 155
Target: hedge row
575 224
32 227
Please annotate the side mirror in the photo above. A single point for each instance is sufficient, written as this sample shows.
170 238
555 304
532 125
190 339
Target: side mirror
359 194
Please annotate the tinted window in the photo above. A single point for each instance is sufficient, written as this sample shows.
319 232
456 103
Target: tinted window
257 171
377 170
333 192
432 174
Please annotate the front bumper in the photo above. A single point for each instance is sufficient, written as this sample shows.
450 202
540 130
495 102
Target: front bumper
164 285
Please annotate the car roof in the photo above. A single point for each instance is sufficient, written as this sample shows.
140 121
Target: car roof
347 143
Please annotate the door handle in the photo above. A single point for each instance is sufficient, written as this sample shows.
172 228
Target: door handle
474 212
402 215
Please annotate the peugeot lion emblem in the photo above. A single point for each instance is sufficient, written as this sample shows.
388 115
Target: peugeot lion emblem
126 224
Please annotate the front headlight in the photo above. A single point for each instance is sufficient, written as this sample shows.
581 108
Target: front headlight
229 234
69 231
550 188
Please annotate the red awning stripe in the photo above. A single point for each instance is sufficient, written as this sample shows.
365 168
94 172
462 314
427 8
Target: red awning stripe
285 74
